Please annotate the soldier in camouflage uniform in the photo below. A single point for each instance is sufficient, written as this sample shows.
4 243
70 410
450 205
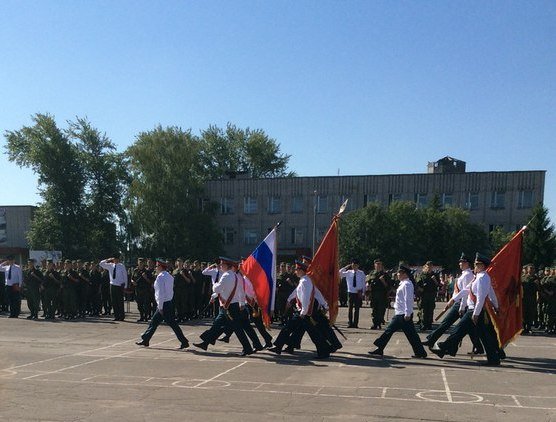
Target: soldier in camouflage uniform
51 287
529 284
32 281
141 281
379 283
427 287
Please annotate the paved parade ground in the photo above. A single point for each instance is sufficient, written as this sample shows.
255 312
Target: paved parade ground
91 370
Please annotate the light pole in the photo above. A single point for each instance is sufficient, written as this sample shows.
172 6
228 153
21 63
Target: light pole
314 221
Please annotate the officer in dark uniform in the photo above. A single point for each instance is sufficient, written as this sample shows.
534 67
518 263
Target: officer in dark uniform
32 280
379 283
529 283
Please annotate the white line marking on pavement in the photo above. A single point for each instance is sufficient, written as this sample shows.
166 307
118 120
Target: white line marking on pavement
220 374
446 386
384 390
516 401
359 341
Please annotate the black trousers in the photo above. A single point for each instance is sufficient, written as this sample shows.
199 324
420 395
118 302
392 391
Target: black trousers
117 296
167 315
398 322
449 318
14 300
230 316
354 301
465 326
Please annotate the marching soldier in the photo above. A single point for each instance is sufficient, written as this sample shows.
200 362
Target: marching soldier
379 283
403 317
32 281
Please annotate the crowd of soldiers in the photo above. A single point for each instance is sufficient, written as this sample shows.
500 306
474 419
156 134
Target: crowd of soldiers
72 289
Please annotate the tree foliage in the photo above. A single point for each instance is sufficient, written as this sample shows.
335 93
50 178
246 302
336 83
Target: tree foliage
539 245
81 183
241 150
402 232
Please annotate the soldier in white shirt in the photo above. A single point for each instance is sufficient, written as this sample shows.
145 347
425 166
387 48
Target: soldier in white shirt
403 318
164 295
14 280
455 311
478 292
355 281
231 298
118 282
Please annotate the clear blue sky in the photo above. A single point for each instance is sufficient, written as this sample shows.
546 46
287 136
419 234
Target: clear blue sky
359 87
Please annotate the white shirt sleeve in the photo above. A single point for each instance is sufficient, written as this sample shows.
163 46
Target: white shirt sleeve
482 290
408 298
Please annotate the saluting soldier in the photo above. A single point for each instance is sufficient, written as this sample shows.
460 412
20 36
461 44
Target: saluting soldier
530 289
32 280
118 282
379 283
355 282
51 286
427 287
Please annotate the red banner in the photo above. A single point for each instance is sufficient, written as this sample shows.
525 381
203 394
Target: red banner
505 273
324 269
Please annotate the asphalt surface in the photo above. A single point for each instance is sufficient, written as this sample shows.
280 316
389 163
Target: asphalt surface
91 370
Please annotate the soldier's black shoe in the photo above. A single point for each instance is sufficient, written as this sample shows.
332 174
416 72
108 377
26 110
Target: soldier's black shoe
376 352
202 345
427 343
246 352
184 344
224 339
289 350
438 352
267 345
325 356
419 356
142 343
258 348
275 349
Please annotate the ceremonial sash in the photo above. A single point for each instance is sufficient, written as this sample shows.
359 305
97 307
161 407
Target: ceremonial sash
229 300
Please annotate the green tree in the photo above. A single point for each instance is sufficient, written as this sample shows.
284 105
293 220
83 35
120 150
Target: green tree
539 245
241 150
48 151
167 212
498 238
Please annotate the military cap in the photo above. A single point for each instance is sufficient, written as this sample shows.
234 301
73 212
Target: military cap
179 258
429 263
300 265
404 269
67 261
117 255
10 257
378 261
161 262
31 260
530 266
306 258
463 258
140 259
49 260
226 260
482 259
355 261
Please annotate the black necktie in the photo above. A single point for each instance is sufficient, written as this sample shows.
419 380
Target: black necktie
354 278
114 273
10 273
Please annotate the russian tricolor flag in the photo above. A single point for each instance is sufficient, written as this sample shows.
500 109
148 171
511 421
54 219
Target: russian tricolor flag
260 268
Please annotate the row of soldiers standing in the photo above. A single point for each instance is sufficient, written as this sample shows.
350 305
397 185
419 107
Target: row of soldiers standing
539 299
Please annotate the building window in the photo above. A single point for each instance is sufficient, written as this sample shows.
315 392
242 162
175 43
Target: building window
421 200
497 200
274 205
525 199
322 203
228 235
393 197
297 237
447 200
321 231
250 236
226 205
297 204
250 205
369 199
472 201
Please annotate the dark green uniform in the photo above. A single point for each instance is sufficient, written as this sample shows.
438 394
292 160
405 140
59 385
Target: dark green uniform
140 279
70 278
95 286
32 280
550 289
181 278
105 292
530 288
427 287
379 284
82 292
51 288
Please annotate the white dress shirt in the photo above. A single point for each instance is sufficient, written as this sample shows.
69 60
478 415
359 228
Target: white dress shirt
213 272
462 282
359 275
121 274
225 286
319 297
16 276
404 298
481 287
163 289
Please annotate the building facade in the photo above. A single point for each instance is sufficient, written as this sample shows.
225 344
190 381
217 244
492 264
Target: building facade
248 208
15 221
